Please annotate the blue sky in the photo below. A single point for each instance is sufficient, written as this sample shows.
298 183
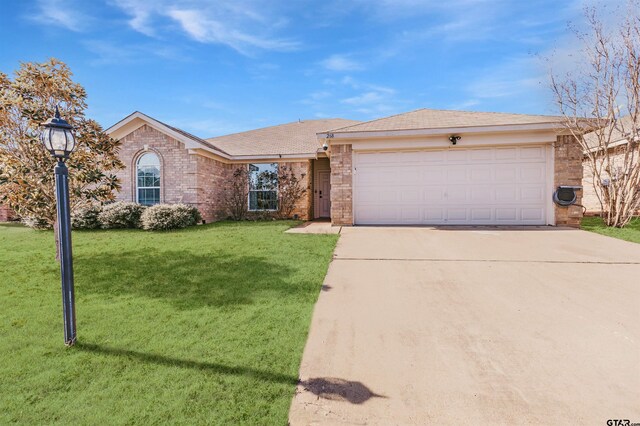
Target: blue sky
216 67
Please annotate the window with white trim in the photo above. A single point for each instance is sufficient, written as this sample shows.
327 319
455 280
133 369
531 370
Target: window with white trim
263 187
148 179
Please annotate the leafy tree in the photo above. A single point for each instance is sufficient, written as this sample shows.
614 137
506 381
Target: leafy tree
600 101
27 183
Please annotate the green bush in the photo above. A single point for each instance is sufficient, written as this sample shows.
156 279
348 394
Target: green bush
35 223
87 217
162 217
121 215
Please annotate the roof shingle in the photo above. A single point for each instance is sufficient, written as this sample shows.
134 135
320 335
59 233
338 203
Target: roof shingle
440 119
298 137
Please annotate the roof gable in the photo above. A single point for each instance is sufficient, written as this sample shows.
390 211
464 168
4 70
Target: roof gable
137 119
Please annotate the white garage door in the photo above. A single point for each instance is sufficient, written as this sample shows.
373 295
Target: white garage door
490 186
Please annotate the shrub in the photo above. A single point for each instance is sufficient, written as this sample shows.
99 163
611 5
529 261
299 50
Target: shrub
237 193
121 215
35 223
162 217
87 217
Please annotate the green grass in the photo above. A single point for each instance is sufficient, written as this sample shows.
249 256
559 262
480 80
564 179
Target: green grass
631 232
201 326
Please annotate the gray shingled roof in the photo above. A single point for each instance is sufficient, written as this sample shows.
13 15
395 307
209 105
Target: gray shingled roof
298 137
439 119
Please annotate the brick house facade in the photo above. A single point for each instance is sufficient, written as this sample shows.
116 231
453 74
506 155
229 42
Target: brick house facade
193 176
197 171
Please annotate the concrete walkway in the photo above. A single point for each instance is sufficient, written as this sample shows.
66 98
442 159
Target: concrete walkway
433 326
315 227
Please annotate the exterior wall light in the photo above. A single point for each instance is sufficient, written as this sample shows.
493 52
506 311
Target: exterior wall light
454 139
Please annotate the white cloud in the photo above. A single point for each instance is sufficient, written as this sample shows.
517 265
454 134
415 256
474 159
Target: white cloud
109 53
366 98
341 63
242 25
60 14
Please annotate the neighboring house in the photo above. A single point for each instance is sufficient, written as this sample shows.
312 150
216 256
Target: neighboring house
424 167
615 149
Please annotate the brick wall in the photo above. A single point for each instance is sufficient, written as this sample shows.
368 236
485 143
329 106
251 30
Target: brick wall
341 185
211 176
185 178
6 214
303 170
568 171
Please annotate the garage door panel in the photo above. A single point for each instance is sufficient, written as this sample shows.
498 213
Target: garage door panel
481 214
505 173
532 153
388 197
533 214
481 154
506 153
433 195
410 214
532 173
389 214
457 214
457 174
433 175
482 174
457 194
455 186
433 215
482 194
505 193
410 195
532 194
506 214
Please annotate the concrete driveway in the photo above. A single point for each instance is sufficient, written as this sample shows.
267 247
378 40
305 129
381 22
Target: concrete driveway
463 326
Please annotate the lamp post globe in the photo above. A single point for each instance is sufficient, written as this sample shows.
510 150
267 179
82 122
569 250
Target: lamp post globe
57 137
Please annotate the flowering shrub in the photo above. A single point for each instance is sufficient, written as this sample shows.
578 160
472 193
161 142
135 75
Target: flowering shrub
121 215
162 217
87 217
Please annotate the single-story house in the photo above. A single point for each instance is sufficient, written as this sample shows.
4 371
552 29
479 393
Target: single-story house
431 167
617 140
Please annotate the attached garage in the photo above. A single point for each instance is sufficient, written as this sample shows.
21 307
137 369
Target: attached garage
437 167
454 186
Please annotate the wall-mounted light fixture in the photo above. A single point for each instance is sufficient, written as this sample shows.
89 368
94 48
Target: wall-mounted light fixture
454 139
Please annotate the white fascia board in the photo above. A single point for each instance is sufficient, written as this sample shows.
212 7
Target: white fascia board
275 158
440 131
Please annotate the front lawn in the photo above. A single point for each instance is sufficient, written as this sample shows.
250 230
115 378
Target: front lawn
631 232
201 326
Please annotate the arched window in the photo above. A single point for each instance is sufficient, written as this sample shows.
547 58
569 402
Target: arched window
148 184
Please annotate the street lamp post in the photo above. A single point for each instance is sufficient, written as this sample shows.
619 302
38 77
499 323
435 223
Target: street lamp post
57 137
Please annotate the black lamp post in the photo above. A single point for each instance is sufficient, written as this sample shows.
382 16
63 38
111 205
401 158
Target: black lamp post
57 137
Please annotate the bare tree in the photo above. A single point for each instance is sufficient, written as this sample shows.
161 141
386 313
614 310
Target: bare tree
290 190
236 194
600 101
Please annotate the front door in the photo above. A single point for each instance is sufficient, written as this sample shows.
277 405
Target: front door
324 193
